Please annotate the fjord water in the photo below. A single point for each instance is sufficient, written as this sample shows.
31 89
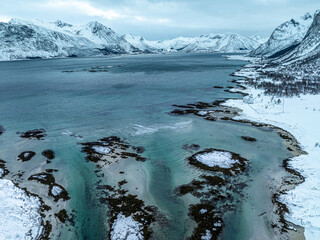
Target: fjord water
132 101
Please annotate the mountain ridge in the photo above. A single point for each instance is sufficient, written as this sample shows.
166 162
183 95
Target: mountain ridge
285 37
24 39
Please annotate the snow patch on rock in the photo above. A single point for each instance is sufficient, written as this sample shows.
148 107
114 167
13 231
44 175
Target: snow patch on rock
203 113
101 149
203 211
217 159
208 236
56 191
126 228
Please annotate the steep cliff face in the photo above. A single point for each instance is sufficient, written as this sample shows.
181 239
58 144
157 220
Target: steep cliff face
309 48
285 37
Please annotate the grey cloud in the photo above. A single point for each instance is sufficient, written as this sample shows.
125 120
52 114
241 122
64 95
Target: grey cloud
159 19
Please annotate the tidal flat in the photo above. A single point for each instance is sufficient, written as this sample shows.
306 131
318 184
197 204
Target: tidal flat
112 147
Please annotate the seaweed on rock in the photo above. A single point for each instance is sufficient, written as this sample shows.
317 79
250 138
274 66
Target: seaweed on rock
26 156
3 170
38 134
249 139
49 154
1 129
191 147
64 217
113 148
120 202
55 190
209 222
219 190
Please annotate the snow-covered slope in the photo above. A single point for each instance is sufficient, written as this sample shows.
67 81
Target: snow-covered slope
309 48
285 37
172 45
21 39
139 43
105 37
230 42
259 39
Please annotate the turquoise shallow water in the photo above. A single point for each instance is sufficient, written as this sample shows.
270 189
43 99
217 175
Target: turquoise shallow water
132 101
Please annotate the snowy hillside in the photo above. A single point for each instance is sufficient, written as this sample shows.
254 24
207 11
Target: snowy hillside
302 63
21 40
172 45
105 37
285 37
230 42
259 39
139 43
35 39
309 48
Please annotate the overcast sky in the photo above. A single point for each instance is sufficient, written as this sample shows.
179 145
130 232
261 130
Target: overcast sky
163 19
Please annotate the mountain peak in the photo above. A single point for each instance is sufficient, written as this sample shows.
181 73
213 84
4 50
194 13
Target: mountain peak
306 16
285 37
61 24
96 26
294 22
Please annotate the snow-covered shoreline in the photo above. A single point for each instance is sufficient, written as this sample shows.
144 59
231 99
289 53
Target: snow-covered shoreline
299 116
20 216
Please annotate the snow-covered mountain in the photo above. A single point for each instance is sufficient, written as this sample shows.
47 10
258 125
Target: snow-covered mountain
139 43
230 42
301 63
285 37
20 39
105 37
309 48
259 39
172 45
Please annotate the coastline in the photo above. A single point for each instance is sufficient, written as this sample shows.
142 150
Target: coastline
20 213
288 138
297 116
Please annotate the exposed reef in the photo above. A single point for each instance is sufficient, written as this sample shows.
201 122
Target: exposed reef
55 190
26 156
218 160
110 149
2 130
38 134
219 190
3 170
